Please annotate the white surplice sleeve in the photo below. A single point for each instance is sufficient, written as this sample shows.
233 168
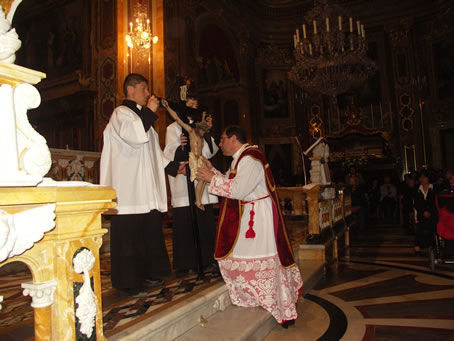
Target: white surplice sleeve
129 127
249 174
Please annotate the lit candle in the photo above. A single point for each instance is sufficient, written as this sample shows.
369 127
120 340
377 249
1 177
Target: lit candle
357 25
130 27
327 24
304 31
148 24
351 24
297 35
363 33
315 27
340 23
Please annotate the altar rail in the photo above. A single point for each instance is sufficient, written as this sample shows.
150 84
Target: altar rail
74 165
326 229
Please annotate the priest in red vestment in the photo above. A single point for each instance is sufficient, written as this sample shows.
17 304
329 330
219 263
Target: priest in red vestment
252 247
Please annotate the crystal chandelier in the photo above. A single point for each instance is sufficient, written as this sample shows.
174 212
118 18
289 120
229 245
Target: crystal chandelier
139 34
331 53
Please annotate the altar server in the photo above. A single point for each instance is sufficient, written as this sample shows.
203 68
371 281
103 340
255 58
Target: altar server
133 163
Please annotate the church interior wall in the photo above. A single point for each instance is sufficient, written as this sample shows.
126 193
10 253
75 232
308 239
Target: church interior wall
77 43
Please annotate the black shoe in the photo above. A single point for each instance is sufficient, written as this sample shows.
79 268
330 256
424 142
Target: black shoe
152 283
288 323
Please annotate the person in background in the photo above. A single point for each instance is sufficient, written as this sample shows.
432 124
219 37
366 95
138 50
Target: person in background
184 252
353 173
406 199
374 198
426 213
388 199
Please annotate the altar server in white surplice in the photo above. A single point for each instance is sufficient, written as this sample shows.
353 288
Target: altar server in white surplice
184 253
252 247
133 163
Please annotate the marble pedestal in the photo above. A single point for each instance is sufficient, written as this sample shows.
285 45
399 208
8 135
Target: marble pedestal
56 284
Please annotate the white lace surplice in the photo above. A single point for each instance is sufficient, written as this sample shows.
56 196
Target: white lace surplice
253 272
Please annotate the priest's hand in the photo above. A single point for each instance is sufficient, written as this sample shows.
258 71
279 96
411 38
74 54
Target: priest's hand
183 141
207 163
204 174
182 168
153 103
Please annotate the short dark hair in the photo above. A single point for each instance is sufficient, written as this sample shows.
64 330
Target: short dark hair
237 131
132 80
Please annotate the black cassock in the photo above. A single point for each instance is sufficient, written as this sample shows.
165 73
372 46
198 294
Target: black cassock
138 249
184 255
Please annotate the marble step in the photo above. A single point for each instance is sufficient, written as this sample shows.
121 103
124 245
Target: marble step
174 321
251 324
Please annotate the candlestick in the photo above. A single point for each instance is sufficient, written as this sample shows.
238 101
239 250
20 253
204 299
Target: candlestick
358 26
340 23
351 24
304 31
362 31
294 41
297 35
315 27
327 24
310 49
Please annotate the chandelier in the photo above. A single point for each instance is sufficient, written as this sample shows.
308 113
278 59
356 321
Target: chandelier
331 51
139 34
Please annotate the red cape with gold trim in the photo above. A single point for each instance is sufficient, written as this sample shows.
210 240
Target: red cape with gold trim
230 214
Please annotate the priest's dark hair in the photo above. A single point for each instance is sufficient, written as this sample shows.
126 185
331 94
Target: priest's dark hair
237 131
132 80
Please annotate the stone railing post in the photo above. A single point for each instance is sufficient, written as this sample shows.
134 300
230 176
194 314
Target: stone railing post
313 197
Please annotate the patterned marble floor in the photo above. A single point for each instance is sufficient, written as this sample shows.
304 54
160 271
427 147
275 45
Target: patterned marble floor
382 292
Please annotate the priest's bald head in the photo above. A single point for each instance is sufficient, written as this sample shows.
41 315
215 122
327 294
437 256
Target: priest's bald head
232 139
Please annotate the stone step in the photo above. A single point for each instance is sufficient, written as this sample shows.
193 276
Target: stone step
251 324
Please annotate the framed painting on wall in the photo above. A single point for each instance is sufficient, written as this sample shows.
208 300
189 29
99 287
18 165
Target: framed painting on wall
275 102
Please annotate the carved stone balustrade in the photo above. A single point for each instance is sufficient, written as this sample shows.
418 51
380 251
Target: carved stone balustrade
328 206
66 286
74 165
293 201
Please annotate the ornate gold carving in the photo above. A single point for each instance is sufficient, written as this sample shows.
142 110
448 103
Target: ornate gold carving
315 121
406 112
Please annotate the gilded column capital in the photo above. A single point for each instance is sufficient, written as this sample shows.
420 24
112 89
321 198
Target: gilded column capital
42 294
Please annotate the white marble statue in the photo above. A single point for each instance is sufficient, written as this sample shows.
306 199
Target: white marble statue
16 234
9 40
319 162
